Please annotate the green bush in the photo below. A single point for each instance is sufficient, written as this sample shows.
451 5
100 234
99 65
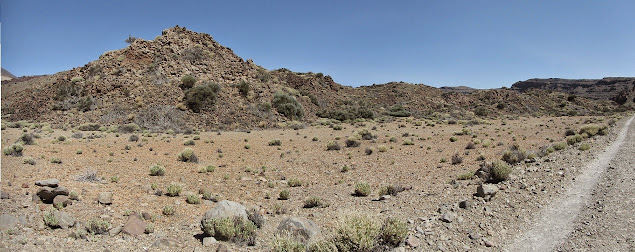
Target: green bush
193 199
398 111
275 142
50 220
393 232
560 146
89 127
13 150
333 146
514 155
453 139
362 189
500 171
347 114
157 170
584 147
85 103
189 142
237 229
312 202
357 233
466 176
352 142
188 155
200 97
173 190
593 129
26 139
187 82
284 195
243 88
288 106
168 210
287 243
571 140
98 226
294 182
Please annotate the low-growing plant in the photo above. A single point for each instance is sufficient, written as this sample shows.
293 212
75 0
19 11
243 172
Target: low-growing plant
193 199
133 138
391 190
315 139
560 146
114 179
312 202
465 176
500 171
392 232
275 142
571 140
13 150
168 210
56 160
98 226
357 233
50 220
294 182
210 168
29 160
593 129
333 146
382 148
189 142
149 228
188 155
247 146
584 147
362 189
237 229
89 176
173 190
352 142
514 155
408 142
456 159
287 243
284 195
453 139
256 217
157 170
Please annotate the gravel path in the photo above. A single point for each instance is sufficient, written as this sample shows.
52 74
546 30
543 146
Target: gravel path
610 230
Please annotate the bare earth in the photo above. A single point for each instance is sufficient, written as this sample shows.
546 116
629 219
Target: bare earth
557 220
254 176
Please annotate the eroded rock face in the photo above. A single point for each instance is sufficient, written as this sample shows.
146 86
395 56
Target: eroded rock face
300 227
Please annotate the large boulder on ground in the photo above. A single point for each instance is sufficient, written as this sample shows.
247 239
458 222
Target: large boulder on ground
225 208
64 219
48 182
63 200
7 222
47 194
486 190
134 226
299 227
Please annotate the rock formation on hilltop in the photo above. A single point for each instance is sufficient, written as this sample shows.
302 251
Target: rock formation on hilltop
6 75
618 89
183 79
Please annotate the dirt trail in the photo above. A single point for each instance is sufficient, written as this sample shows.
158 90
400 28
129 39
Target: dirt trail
557 220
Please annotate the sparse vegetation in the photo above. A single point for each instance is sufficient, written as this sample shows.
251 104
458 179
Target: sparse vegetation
294 182
50 220
168 210
500 171
157 170
284 195
173 190
193 199
465 176
584 147
456 159
560 146
237 229
200 97
333 146
13 150
188 155
514 155
312 202
288 106
275 142
98 226
362 189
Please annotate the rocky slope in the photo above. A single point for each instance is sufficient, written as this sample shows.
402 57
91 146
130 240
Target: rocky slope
6 75
142 83
618 89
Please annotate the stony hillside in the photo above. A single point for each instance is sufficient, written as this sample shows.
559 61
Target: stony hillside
6 75
618 89
183 79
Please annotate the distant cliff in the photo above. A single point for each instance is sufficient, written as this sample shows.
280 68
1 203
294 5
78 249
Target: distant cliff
618 89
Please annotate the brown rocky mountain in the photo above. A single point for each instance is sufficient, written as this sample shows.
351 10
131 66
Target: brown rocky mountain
6 75
147 83
618 89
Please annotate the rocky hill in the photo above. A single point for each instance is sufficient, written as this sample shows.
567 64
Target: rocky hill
618 89
183 79
6 75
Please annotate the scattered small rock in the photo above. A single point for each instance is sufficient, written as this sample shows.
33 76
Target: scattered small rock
484 190
63 200
105 198
413 241
65 219
209 241
4 195
448 217
465 204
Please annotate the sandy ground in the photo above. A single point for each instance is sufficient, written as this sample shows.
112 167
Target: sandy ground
254 176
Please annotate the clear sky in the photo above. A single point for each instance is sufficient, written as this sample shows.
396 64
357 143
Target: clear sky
481 44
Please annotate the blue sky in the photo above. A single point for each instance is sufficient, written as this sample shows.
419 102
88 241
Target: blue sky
481 44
